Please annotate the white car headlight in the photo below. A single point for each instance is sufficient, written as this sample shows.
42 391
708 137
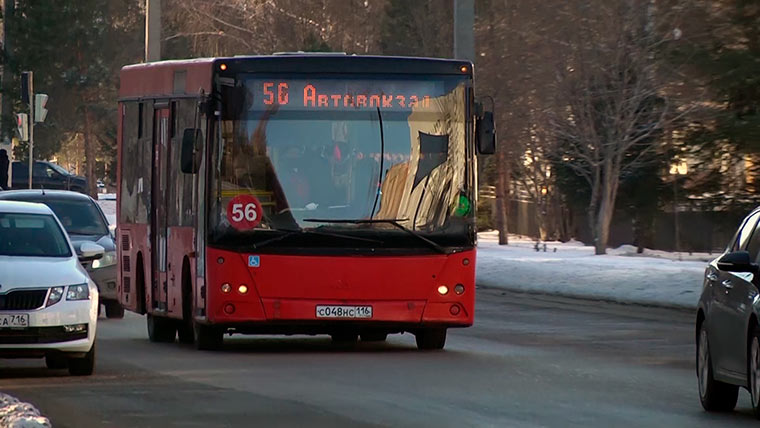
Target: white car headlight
108 259
78 292
56 293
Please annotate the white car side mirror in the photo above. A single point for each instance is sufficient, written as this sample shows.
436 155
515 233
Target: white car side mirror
89 251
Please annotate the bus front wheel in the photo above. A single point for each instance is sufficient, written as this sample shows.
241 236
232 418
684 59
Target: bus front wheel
207 337
429 339
161 329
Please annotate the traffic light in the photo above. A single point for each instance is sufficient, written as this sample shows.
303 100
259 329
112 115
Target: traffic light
40 112
22 125
26 86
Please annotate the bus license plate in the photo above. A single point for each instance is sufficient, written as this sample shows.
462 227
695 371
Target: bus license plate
19 320
329 311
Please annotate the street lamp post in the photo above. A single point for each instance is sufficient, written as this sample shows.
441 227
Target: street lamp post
677 170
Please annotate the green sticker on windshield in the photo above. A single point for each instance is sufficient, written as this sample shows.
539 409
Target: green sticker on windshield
463 206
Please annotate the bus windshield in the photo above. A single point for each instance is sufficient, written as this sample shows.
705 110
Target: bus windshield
291 149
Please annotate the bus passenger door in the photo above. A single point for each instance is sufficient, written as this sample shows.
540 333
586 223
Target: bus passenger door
159 206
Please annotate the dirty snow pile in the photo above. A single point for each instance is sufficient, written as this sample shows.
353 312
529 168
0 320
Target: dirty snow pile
572 270
17 414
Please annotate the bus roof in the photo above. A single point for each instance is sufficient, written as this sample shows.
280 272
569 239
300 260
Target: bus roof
190 76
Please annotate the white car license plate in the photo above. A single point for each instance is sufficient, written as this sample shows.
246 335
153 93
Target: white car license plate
17 320
330 311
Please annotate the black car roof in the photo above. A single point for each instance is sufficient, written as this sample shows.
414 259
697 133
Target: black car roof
40 194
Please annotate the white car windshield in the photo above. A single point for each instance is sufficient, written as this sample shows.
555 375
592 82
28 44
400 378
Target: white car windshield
32 235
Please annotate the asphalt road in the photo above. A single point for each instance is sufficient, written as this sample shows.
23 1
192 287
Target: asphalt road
529 361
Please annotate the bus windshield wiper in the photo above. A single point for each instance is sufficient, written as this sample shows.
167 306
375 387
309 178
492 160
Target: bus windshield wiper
287 233
392 221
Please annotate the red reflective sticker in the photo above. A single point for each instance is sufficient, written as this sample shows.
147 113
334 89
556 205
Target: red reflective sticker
244 212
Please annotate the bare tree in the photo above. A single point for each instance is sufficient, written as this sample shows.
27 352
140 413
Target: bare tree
613 103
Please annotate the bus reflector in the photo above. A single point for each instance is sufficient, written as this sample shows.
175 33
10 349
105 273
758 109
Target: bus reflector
454 309
243 289
229 309
442 289
226 288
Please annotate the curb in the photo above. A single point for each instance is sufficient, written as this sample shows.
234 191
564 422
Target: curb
594 298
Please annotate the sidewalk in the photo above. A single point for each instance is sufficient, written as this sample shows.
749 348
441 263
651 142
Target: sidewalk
656 278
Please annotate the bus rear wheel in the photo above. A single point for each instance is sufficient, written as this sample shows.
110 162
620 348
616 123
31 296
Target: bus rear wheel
430 339
161 329
207 337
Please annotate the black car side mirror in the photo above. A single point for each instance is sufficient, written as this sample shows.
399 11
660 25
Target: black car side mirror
190 158
486 133
738 261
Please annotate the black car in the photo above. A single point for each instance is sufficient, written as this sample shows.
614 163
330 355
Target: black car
727 329
84 221
46 175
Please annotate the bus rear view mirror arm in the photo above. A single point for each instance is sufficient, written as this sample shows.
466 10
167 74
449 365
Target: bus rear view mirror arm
485 128
191 150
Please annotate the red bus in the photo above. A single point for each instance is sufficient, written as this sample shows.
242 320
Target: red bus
299 194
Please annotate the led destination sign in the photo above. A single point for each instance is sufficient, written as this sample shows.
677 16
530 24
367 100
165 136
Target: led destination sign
343 94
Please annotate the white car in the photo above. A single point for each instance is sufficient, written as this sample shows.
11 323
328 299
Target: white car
48 303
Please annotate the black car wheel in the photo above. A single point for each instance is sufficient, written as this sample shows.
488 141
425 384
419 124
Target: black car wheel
83 366
715 396
754 372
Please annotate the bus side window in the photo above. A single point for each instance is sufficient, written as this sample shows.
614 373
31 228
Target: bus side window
130 132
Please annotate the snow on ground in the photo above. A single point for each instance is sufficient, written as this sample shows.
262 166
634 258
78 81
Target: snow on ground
572 270
14 413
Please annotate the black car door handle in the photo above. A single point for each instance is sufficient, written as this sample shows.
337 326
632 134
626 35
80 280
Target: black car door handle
728 284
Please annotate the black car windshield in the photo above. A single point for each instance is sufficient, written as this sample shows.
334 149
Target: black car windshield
349 147
78 217
59 169
32 235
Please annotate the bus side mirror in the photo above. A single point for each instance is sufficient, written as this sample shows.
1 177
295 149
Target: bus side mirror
486 134
191 153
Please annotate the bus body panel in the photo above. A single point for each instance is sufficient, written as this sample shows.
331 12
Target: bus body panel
402 289
158 79
134 255
181 251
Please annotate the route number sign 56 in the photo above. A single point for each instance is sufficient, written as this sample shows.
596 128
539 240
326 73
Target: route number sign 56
244 212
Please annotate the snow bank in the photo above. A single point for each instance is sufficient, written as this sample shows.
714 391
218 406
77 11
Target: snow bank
17 414
572 270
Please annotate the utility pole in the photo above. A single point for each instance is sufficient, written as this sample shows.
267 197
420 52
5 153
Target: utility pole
153 30
27 95
6 105
464 29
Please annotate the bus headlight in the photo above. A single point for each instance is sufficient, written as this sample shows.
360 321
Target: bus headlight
108 259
